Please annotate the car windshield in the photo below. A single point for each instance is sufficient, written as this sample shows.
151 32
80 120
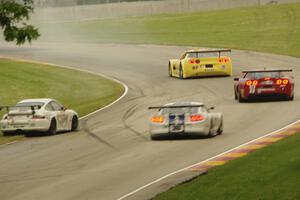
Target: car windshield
180 110
258 75
23 106
201 55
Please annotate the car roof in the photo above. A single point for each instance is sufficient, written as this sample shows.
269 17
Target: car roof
207 50
40 100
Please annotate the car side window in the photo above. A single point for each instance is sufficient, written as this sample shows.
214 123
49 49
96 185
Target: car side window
49 107
249 75
203 109
183 56
56 106
192 55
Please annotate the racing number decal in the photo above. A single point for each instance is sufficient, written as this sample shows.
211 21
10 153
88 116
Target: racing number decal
252 89
62 119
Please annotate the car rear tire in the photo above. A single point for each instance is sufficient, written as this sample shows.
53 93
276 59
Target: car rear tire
240 98
154 137
180 72
52 128
220 130
170 70
7 133
235 95
212 133
74 123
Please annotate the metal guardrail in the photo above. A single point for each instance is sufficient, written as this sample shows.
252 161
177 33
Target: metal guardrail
62 3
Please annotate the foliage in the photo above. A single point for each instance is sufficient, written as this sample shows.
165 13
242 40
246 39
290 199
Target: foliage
13 15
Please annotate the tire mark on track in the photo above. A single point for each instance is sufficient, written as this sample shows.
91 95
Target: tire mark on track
127 114
93 135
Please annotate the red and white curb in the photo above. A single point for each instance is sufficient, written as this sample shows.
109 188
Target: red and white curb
247 148
223 158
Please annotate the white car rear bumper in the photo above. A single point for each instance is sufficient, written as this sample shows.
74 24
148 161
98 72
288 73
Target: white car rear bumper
30 125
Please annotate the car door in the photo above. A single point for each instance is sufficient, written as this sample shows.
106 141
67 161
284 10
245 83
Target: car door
60 114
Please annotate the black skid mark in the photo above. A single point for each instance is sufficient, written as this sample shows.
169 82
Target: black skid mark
127 114
93 135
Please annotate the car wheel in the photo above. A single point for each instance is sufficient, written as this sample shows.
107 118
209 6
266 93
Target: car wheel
7 133
170 70
52 128
212 133
235 95
291 98
154 137
74 123
220 130
180 72
240 98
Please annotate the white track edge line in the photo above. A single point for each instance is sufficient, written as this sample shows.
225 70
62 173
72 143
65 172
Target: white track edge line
183 169
81 70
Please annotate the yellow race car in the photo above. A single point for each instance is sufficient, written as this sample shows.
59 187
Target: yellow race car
199 63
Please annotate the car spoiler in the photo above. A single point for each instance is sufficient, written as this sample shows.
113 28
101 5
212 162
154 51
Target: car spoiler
183 106
215 51
32 107
268 70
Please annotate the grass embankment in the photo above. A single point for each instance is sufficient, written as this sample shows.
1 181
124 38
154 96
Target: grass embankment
272 28
269 173
77 90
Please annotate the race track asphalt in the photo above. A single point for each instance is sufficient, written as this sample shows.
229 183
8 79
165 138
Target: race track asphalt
112 154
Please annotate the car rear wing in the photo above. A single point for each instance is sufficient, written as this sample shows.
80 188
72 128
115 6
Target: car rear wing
268 70
31 109
179 106
215 51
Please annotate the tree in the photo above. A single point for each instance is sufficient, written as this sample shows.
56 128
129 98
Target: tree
13 17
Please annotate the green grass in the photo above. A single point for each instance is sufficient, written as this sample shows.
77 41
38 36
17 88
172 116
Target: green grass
267 174
77 90
272 28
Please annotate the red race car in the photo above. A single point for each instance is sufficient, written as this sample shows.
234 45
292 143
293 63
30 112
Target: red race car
264 83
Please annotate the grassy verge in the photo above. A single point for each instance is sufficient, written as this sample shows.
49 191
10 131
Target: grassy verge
269 173
272 28
80 91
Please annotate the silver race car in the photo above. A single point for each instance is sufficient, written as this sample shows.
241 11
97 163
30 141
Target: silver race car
189 118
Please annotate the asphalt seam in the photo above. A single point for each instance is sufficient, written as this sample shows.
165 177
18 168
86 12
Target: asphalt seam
231 154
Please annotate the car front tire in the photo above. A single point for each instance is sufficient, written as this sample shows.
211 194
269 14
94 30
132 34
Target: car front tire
74 123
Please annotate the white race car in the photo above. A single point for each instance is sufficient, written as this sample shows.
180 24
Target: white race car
43 115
